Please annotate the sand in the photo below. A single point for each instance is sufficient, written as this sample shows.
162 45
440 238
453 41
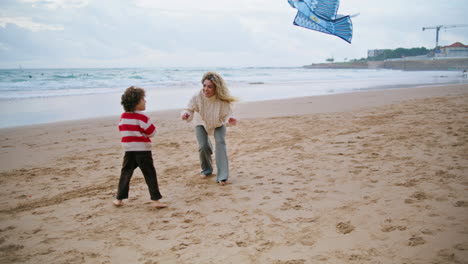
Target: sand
367 177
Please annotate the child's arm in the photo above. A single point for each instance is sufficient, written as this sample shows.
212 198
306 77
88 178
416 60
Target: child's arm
148 128
150 131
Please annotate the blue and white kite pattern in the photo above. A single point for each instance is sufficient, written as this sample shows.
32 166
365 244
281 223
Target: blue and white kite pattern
320 15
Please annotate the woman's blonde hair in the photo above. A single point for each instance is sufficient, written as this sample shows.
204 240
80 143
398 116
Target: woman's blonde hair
222 91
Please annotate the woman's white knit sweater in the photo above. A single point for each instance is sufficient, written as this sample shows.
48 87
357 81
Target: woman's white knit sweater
208 112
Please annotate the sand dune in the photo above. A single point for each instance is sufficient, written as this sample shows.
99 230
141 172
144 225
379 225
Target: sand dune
381 180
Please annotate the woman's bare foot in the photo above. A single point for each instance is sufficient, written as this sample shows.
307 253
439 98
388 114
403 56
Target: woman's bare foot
117 202
222 183
158 204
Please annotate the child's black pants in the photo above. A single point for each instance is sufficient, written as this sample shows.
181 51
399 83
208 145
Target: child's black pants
144 160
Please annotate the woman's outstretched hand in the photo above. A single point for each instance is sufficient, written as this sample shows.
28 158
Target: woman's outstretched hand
185 116
232 121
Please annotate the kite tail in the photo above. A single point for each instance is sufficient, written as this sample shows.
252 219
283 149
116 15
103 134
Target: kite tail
344 28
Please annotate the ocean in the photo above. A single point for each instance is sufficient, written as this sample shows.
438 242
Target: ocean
36 96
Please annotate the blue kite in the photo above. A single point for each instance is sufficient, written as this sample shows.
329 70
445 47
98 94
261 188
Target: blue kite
320 15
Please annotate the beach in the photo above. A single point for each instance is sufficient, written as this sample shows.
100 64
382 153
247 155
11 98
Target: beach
362 177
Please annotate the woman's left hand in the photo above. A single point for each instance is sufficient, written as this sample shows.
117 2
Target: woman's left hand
232 121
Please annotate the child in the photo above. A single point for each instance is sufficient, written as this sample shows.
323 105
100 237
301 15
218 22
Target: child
211 110
136 130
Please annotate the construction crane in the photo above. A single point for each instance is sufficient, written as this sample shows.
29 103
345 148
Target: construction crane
437 28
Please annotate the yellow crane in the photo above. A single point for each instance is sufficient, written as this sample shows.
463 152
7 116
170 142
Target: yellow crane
437 28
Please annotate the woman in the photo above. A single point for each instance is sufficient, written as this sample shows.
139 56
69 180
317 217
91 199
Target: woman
211 111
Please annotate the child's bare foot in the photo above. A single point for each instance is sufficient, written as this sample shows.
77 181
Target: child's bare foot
204 176
158 204
117 202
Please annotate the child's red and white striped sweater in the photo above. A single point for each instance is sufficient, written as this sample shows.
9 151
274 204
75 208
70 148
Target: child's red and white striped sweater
136 129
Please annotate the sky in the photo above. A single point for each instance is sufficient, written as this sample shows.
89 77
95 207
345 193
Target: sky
214 33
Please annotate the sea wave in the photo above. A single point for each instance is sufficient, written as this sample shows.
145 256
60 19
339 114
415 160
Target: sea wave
33 83
65 76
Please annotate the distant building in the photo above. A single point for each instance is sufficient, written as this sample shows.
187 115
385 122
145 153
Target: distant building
374 53
457 49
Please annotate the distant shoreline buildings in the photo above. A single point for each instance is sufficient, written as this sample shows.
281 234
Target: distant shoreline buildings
447 58
455 50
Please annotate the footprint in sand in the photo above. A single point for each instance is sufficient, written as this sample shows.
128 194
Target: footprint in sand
241 244
292 261
227 235
344 227
416 241
168 227
448 256
264 245
180 246
390 228
461 204
7 228
305 219
420 196
461 247
416 197
11 248
426 231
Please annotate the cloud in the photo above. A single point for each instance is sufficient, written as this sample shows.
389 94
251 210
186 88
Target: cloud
26 22
213 6
135 33
56 4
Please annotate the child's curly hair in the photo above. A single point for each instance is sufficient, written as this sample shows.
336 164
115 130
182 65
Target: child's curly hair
131 97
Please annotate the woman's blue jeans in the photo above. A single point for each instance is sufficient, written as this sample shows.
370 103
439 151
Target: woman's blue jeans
206 150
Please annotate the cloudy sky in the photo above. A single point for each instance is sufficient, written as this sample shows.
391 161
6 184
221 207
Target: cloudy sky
188 33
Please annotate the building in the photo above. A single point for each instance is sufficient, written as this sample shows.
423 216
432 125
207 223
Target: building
457 50
374 53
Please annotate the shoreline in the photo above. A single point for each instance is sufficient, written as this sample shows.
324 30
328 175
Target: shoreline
368 177
409 64
84 99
